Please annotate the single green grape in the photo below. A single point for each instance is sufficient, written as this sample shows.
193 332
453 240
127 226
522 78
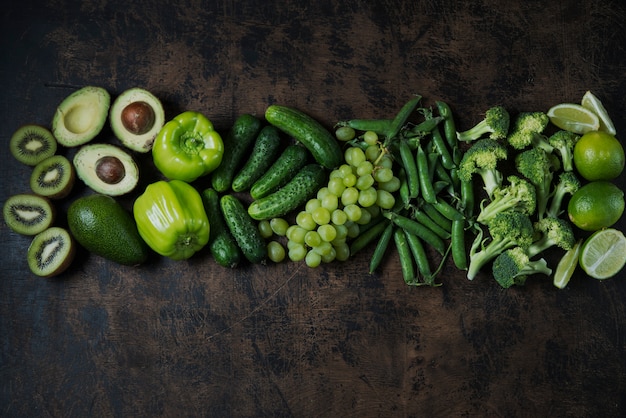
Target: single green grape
365 182
372 152
265 229
275 251
353 229
330 202
342 251
391 186
305 220
345 133
338 217
385 199
367 197
297 253
313 259
336 186
350 180
321 216
327 232
349 196
296 233
353 212
365 168
370 138
383 174
312 239
279 226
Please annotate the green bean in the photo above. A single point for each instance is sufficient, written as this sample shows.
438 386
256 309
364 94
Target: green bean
368 236
457 241
419 255
423 218
442 148
405 256
433 159
410 167
402 116
437 217
449 126
381 247
418 229
447 210
425 183
404 193
467 198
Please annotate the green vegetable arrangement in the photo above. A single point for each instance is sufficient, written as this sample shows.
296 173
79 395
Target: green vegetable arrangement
284 187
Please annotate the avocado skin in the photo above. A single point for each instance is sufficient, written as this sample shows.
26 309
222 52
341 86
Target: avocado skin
100 224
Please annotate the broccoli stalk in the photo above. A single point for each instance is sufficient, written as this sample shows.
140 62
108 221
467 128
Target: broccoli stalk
563 142
518 195
536 165
551 232
507 230
495 123
482 158
568 184
513 266
527 130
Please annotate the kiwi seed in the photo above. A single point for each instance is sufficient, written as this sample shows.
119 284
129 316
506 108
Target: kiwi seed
51 252
53 177
31 144
28 214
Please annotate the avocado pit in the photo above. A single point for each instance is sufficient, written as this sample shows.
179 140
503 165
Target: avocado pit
110 169
138 117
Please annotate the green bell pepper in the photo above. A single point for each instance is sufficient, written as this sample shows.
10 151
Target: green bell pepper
187 147
171 219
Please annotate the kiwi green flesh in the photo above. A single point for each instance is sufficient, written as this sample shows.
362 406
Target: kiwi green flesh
53 177
28 214
51 252
31 144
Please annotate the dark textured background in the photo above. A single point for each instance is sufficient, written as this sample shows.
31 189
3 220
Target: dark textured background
190 338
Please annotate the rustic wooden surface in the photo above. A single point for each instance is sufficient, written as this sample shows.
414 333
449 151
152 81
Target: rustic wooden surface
193 339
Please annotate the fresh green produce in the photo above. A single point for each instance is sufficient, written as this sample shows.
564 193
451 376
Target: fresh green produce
136 117
187 147
244 229
536 165
101 225
513 266
563 143
171 219
31 144
527 131
51 252
568 184
296 192
81 116
519 194
302 127
549 232
264 152
237 143
482 158
290 161
28 214
106 169
495 124
406 257
222 244
382 245
507 230
53 177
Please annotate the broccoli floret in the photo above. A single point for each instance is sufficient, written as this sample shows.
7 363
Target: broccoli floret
518 195
536 165
563 142
507 230
527 130
513 266
495 123
482 158
568 184
551 232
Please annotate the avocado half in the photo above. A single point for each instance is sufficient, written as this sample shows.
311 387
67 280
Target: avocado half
81 116
136 118
106 169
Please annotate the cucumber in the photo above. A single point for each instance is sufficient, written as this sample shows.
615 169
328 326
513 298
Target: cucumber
236 144
303 128
243 229
222 244
301 188
290 161
264 152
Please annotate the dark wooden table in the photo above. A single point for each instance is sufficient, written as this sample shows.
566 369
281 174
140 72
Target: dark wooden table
193 339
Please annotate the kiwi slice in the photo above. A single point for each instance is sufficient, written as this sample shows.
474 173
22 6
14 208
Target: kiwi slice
31 144
28 214
51 252
53 177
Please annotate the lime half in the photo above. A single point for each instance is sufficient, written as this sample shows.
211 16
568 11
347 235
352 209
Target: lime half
603 254
567 265
591 102
574 118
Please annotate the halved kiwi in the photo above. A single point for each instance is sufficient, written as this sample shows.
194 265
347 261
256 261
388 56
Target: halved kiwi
28 214
51 252
53 177
31 144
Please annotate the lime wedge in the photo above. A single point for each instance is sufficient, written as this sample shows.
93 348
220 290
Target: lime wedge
591 102
603 254
567 265
574 118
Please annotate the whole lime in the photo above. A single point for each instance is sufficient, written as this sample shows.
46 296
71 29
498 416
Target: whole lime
598 155
596 205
